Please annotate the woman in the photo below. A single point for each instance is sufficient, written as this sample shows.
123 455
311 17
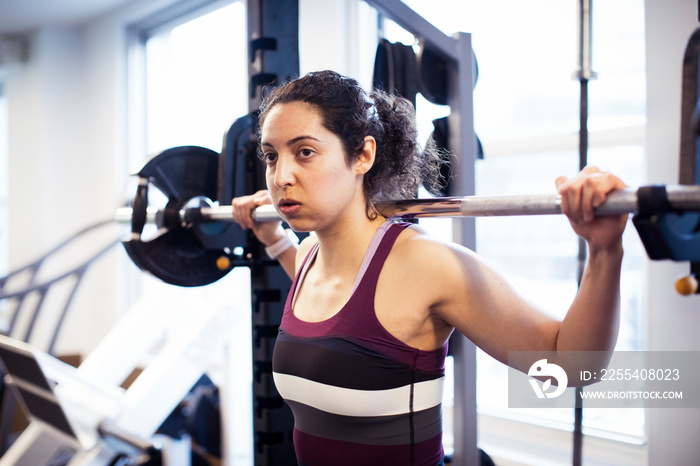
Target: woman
360 353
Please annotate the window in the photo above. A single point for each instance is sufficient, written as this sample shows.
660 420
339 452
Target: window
196 77
190 83
526 106
4 187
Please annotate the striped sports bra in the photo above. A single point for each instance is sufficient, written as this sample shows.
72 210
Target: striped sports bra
359 395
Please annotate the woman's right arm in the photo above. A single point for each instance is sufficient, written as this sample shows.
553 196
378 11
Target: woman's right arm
268 233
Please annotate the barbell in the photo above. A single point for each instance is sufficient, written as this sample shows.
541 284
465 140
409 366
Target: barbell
197 241
626 201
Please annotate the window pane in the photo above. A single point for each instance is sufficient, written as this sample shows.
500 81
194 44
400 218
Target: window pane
4 187
618 94
197 78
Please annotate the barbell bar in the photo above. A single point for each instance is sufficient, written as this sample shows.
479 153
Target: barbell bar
626 201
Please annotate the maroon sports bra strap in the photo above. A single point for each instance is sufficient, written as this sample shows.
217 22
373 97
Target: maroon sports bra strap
375 267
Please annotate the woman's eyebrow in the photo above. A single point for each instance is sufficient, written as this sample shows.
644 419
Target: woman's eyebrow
292 141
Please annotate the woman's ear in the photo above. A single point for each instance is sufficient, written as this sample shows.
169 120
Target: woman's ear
366 159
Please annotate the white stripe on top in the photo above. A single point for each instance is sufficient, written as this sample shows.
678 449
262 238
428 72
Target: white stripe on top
360 403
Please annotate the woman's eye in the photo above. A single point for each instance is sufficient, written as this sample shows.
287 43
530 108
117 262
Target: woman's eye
269 157
305 153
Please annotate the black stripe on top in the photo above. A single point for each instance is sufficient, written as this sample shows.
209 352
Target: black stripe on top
371 430
343 363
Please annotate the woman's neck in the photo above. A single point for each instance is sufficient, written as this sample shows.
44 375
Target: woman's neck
342 248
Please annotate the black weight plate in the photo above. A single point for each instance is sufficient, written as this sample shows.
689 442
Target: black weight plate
383 67
432 75
185 256
177 258
183 173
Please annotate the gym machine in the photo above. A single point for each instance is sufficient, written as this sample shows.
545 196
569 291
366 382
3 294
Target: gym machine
85 417
197 244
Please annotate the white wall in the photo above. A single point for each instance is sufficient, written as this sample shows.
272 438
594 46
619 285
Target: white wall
672 320
67 154
58 172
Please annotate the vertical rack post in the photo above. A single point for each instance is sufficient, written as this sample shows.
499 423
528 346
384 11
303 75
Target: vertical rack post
584 74
273 32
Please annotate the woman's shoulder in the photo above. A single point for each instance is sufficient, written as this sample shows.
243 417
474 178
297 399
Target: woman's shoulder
434 274
416 248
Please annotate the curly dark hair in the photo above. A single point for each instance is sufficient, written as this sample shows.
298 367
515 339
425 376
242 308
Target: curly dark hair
400 165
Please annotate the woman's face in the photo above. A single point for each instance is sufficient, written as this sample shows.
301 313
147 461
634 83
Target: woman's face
309 180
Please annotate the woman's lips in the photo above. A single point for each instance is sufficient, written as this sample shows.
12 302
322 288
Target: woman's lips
288 207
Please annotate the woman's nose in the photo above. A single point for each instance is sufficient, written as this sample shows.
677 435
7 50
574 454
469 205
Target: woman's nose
284 172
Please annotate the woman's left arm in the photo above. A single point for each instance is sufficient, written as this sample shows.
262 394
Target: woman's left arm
592 322
478 302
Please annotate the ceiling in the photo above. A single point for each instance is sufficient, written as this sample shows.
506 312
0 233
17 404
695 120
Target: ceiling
20 16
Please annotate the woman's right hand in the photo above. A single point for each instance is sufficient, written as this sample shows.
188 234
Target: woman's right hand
267 232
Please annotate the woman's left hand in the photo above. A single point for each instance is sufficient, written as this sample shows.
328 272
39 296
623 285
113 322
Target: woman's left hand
580 195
